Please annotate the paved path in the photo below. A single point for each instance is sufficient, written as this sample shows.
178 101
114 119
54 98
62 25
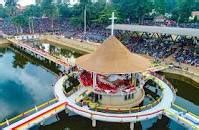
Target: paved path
183 118
84 47
165 103
41 53
37 117
163 107
4 41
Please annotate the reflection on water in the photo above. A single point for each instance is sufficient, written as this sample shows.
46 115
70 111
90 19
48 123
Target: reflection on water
187 92
81 123
55 50
19 61
22 84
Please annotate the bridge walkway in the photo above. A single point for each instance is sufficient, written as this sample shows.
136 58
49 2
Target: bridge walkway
34 116
175 112
183 117
41 53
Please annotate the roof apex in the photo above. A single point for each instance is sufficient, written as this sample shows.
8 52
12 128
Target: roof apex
112 57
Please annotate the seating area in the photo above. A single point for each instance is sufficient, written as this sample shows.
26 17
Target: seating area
187 56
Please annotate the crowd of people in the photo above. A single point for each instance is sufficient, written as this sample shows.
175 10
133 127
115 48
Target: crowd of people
58 26
153 48
187 55
148 46
183 51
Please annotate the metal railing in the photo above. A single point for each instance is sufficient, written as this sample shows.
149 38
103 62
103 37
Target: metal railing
173 115
164 80
179 108
47 55
74 89
129 110
27 113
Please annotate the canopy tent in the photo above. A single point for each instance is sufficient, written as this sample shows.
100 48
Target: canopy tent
157 29
112 57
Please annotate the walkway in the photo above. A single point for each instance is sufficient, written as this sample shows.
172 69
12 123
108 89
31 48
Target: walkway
165 103
40 53
34 116
30 59
163 107
4 41
85 47
186 119
37 117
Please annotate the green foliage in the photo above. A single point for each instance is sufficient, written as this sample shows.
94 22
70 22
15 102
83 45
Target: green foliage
64 10
160 6
10 3
183 12
131 10
3 13
33 11
104 15
76 21
20 21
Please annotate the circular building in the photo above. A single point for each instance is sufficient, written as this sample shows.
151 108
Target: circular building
113 74
113 86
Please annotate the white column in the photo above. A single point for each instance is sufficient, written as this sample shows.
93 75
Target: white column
93 123
94 80
131 125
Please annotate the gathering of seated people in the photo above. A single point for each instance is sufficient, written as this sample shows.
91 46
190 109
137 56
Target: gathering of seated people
187 56
59 27
165 48
97 33
153 48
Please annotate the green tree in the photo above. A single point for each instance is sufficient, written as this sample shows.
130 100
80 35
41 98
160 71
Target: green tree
133 10
83 5
160 6
76 18
19 61
183 10
31 12
50 10
19 21
104 15
11 7
3 12
64 10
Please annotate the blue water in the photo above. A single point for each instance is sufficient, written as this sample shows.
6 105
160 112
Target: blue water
22 84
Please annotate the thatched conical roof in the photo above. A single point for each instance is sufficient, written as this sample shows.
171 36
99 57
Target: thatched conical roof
112 57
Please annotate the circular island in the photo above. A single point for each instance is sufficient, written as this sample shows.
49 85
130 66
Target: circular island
111 88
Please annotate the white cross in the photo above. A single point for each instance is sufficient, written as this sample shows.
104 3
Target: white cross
112 25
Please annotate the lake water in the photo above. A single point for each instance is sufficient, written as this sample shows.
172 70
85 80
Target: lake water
25 83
